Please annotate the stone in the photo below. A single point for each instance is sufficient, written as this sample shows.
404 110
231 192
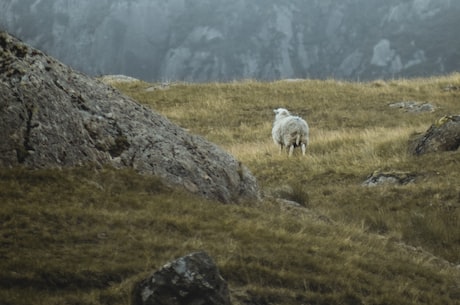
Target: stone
444 135
389 178
414 106
118 78
451 88
53 116
190 280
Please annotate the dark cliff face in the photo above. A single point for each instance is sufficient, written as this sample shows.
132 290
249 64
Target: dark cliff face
222 40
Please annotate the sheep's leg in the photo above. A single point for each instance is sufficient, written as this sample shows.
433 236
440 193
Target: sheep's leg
291 150
281 148
304 148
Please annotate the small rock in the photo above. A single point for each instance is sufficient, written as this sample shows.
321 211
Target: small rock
388 178
412 106
162 86
451 88
190 280
110 79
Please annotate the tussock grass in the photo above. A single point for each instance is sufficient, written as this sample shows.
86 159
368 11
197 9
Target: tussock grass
85 236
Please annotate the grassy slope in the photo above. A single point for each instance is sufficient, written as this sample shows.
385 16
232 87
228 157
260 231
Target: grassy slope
82 236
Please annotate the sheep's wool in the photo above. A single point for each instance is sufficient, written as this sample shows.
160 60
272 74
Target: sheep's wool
290 131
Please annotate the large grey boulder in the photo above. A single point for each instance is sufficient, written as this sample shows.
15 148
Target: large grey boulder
53 116
444 135
190 280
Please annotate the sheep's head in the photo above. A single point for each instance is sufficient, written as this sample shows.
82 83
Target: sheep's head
281 112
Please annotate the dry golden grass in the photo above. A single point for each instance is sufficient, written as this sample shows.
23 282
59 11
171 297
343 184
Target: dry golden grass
85 236
354 132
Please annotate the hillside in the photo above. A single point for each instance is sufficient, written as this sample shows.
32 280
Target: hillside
223 40
85 236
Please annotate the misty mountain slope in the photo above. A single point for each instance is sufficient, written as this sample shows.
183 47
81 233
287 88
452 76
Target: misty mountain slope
224 40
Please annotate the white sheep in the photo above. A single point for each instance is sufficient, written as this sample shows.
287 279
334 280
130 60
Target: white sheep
289 131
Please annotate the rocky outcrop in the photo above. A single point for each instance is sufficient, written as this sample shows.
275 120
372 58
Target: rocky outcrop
51 115
221 40
190 280
444 135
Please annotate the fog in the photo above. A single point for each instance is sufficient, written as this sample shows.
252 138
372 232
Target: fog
203 40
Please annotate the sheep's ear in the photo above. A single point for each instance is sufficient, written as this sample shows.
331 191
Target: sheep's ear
275 111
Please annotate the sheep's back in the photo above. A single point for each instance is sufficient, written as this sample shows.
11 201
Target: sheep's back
286 130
